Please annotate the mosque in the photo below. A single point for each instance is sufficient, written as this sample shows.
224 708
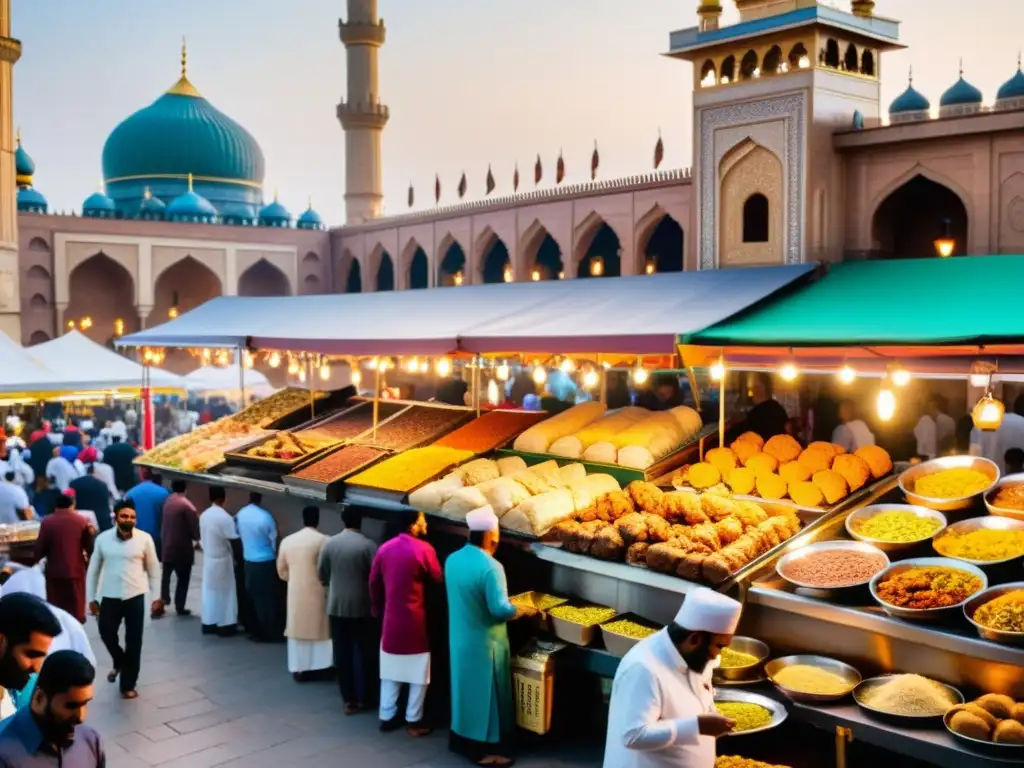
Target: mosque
794 159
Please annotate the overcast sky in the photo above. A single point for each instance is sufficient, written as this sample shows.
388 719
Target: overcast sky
469 82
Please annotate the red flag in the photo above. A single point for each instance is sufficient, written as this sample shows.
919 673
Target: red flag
412 195
560 169
538 171
515 179
595 160
437 188
462 186
659 151
490 180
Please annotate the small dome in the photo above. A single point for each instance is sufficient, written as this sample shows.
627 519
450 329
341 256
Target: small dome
960 93
31 201
1012 88
238 215
191 207
99 206
275 215
151 207
911 100
24 167
310 219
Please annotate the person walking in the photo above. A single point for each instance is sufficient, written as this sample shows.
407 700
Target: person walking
27 629
51 730
481 661
91 457
92 494
258 531
120 455
179 533
220 549
344 568
64 466
123 569
149 497
401 571
308 632
65 541
14 503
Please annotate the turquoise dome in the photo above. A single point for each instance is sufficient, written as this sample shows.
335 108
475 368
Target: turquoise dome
239 215
99 206
151 208
191 207
959 94
1012 88
911 100
182 133
310 219
24 167
275 215
31 201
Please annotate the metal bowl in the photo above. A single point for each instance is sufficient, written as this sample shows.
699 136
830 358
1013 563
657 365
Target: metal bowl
978 523
924 614
1016 514
750 672
909 478
866 513
978 600
1008 751
778 710
861 691
845 671
827 546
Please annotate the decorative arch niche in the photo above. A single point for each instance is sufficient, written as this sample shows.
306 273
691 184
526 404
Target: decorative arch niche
751 213
263 279
103 290
909 220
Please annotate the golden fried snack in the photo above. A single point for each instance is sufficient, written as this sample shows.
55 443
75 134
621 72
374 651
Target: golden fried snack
771 487
704 534
703 475
762 462
806 494
633 528
783 447
751 437
832 485
998 705
794 472
840 450
664 558
1008 732
877 459
690 566
616 504
723 458
717 507
637 554
728 530
741 480
818 456
585 537
977 711
608 544
744 449
658 528
681 505
970 725
646 496
854 470
750 513
563 531
1018 712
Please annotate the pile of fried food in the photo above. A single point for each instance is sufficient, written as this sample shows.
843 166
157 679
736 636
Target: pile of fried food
993 717
202 448
731 761
288 446
819 475
280 404
705 537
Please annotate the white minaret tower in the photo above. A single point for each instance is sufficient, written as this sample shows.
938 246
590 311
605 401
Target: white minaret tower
362 115
10 299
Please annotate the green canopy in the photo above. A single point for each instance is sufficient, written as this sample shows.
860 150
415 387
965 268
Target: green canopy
912 302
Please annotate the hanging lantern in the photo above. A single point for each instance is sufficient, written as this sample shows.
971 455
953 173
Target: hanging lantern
443 367
86 323
590 378
640 375
988 413
325 372
567 366
900 376
293 367
718 370
507 274
789 371
535 275
173 312
596 266
356 377
649 267
457 278
275 359
412 365
946 244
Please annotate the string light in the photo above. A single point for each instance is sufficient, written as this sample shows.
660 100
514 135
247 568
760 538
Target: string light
173 312
590 378
357 377
248 360
293 367
718 370
805 62
502 372
847 375
119 327
373 363
596 267
561 275
640 375
649 268
71 325
535 275
302 375
507 274
900 376
86 323
443 367
789 372
424 365
539 375
274 360
886 404
325 371
412 365
567 366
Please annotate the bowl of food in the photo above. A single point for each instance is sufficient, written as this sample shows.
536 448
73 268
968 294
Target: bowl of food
895 527
540 602
982 541
926 588
831 565
625 631
812 678
998 613
910 698
991 724
752 712
1006 499
577 623
742 662
948 483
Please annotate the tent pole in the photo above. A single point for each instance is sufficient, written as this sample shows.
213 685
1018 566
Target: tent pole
691 375
603 373
376 398
309 381
476 384
721 412
241 375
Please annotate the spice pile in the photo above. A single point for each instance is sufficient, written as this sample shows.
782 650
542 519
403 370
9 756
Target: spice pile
491 430
538 600
584 615
833 568
805 678
981 544
277 406
628 628
952 483
411 469
737 659
747 716
897 526
928 587
355 421
1010 497
416 425
993 717
910 696
1003 614
731 761
339 464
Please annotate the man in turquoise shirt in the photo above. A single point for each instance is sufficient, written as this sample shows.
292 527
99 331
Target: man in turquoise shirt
258 531
148 498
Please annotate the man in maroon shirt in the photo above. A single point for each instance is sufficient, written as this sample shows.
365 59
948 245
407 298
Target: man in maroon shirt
179 532
401 572
65 540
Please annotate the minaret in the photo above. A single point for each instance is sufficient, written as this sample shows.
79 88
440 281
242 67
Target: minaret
362 115
10 298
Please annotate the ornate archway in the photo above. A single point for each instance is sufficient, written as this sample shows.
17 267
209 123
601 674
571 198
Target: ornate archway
664 249
419 270
907 223
496 262
103 291
602 257
263 279
385 273
751 212
184 285
452 269
354 278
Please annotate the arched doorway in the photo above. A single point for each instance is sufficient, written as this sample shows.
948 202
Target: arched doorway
664 251
386 273
452 270
38 337
419 270
102 290
496 262
263 279
548 265
909 221
184 285
602 257
354 279
311 284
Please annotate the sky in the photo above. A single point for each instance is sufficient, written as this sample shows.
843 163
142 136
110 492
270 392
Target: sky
469 83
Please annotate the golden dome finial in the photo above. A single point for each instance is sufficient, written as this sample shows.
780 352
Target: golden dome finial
961 67
275 193
190 182
183 87
17 135
184 57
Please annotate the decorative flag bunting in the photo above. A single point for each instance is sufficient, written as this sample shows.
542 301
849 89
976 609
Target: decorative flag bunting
437 188
560 169
462 186
659 151
538 171
595 161
490 180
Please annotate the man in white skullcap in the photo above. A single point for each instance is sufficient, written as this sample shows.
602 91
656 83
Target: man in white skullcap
481 669
663 707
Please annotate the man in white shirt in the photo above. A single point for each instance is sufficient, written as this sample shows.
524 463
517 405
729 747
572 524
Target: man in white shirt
936 430
14 504
221 549
123 568
64 466
663 706
15 462
852 433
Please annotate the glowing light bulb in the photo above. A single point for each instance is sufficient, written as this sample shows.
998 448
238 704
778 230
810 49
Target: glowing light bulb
718 370
293 367
424 365
443 366
847 375
561 275
789 372
373 363
535 275
507 275
147 355
640 376
649 268
502 372
274 360
302 375
457 278
900 377
119 327
325 372
248 361
86 323
757 72
725 80
596 267
357 377
412 365
71 325
886 404
539 375
590 379
988 413
709 79
173 312
567 366
805 62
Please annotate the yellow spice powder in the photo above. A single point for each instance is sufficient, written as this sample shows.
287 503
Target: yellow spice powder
952 483
1004 614
897 526
982 544
410 469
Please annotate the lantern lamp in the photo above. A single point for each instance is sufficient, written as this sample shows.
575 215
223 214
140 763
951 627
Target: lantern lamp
988 413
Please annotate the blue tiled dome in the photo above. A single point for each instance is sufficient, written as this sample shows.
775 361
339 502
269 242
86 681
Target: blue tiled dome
24 167
151 208
911 100
191 207
1012 88
275 215
239 215
960 93
310 219
31 201
99 206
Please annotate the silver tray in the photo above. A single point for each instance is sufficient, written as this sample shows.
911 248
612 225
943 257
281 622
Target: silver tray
866 513
924 614
845 671
778 710
978 523
874 682
910 476
979 599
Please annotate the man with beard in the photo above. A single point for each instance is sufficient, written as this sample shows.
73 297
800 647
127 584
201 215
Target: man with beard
50 731
27 628
663 707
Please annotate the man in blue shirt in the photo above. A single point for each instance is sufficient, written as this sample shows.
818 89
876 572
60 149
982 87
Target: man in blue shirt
258 531
148 498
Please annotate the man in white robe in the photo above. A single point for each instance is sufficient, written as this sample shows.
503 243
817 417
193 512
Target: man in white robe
308 630
221 547
663 706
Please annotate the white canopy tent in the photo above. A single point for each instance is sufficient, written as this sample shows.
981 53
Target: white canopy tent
213 381
22 373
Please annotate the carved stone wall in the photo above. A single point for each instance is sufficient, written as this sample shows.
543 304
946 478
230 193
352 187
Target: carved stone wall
756 171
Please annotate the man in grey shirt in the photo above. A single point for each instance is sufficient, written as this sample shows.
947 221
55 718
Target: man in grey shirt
344 568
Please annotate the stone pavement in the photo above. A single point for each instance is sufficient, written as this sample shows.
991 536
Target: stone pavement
208 701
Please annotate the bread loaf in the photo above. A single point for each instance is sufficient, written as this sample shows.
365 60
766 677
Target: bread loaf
538 438
509 465
479 471
464 501
604 452
516 520
592 487
570 473
432 496
568 447
503 494
656 436
546 510
604 429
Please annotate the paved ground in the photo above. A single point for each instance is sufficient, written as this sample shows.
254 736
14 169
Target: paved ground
206 701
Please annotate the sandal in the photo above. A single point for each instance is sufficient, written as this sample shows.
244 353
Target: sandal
112 675
129 694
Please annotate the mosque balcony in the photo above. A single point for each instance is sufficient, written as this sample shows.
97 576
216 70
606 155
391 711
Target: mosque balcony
360 114
362 32
10 49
